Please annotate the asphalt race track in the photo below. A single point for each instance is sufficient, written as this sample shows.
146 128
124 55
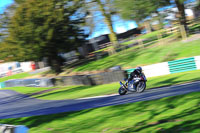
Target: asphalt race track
13 104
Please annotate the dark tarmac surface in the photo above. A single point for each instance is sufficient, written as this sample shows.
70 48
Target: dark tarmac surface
14 105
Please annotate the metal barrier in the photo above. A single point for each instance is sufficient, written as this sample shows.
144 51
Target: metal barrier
73 80
182 65
93 79
2 85
42 82
40 70
13 129
107 77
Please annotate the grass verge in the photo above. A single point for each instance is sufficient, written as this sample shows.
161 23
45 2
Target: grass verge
21 76
172 114
73 92
16 76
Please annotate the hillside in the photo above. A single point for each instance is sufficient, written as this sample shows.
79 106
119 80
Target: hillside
138 56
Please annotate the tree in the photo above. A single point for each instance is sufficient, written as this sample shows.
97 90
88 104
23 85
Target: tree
1 34
20 1
108 19
46 29
197 9
198 5
181 12
10 52
138 10
4 21
107 11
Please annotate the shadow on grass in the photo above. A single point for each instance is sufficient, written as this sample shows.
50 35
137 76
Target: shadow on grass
180 125
35 121
187 126
167 82
184 125
93 118
172 81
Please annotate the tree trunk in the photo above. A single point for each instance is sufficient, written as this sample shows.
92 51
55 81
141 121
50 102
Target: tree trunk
108 21
181 13
55 61
197 10
148 26
55 64
160 20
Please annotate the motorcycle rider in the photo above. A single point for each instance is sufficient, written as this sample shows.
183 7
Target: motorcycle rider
136 73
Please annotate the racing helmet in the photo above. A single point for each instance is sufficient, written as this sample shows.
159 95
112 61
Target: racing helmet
139 69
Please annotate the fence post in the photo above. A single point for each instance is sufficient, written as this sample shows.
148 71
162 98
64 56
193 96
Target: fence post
183 32
140 42
111 50
159 35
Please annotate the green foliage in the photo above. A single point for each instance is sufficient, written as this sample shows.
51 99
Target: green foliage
139 9
29 90
7 50
3 24
5 20
171 114
1 33
11 52
47 28
20 1
196 10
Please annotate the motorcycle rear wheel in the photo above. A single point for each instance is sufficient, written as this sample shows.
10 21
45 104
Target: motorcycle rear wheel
122 91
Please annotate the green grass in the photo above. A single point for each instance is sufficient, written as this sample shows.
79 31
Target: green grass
145 36
153 40
195 27
172 114
150 35
133 57
28 90
20 76
73 92
16 76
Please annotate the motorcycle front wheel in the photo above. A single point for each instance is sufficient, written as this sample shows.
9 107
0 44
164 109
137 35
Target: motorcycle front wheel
122 91
141 87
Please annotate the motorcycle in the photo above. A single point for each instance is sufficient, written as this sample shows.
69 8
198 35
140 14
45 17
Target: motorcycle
138 84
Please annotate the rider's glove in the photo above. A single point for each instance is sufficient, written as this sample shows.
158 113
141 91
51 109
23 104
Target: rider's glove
126 83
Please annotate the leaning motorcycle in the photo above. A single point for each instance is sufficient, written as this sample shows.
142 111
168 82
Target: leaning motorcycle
138 84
